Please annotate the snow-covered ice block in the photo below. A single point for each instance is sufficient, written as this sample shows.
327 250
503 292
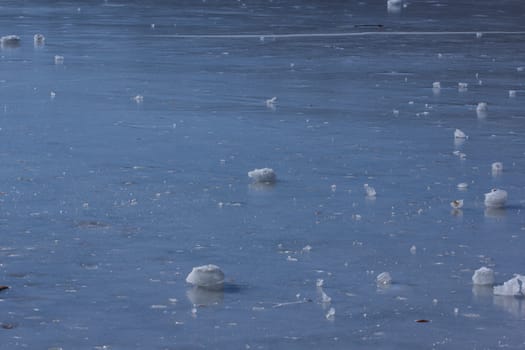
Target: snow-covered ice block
483 276
384 278
458 134
513 287
206 276
496 198
264 175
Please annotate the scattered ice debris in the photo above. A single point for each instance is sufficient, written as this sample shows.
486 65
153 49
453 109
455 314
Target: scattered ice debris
496 198
206 276
483 276
264 175
413 250
319 283
458 134
462 87
457 204
39 40
138 99
513 287
370 191
59 59
497 168
384 279
270 103
462 186
512 93
330 315
10 41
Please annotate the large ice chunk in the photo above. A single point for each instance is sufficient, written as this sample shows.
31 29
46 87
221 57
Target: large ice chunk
496 198
513 287
264 175
206 276
483 276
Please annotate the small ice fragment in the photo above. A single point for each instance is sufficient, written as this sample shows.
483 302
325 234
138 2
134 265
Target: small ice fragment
482 107
456 153
264 175
483 276
52 95
206 276
333 188
436 85
520 69
330 315
434 301
325 299
512 93
39 39
513 287
458 134
462 87
270 103
384 278
457 203
290 258
413 250
370 191
10 41
479 35
152 25
395 112
307 248
456 311
138 98
59 59
462 186
319 283
497 168
496 198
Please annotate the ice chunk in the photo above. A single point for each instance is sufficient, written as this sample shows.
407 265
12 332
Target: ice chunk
462 87
138 98
206 276
436 85
270 103
264 175
479 35
330 315
513 287
384 278
496 198
413 250
457 203
39 40
497 168
458 134
462 186
319 283
59 59
370 191
482 107
10 41
512 93
483 276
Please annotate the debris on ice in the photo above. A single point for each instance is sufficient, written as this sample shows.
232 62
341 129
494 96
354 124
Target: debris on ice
59 59
497 168
483 276
384 278
10 41
270 103
370 191
513 287
496 198
39 40
206 276
457 203
458 134
264 175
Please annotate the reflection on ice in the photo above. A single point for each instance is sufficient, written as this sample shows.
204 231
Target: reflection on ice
204 296
511 304
482 291
495 213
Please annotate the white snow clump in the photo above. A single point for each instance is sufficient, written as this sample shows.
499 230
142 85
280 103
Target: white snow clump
370 191
483 276
496 198
384 278
206 276
458 134
513 287
10 41
264 175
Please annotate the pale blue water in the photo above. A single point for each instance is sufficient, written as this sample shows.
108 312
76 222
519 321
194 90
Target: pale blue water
106 204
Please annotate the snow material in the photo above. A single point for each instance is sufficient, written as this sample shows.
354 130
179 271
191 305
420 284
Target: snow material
206 276
264 175
513 287
457 204
496 198
458 134
483 276
10 41
370 191
384 278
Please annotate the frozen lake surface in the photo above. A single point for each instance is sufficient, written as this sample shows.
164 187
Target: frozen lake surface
125 165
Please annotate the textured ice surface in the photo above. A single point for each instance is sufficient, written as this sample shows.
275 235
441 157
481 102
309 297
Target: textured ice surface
483 276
